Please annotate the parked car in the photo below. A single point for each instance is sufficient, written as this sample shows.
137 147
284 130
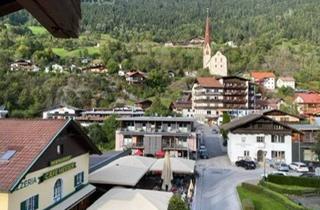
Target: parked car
247 164
299 167
202 148
204 155
278 173
308 175
282 167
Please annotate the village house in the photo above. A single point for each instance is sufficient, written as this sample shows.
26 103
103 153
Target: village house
269 103
95 68
257 136
143 104
286 82
24 65
308 104
303 144
135 77
44 164
151 135
282 116
183 105
264 78
61 112
99 115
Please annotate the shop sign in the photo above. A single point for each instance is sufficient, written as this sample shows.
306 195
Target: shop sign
27 183
61 160
57 171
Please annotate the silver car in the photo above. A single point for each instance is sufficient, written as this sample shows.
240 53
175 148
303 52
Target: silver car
282 167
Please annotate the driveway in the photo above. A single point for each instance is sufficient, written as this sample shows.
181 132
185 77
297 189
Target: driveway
218 179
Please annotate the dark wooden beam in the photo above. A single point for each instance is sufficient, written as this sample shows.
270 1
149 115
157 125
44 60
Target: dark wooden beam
8 6
60 17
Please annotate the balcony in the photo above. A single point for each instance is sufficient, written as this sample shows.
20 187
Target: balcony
235 101
235 87
235 93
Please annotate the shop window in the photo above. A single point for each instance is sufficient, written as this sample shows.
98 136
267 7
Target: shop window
30 204
57 191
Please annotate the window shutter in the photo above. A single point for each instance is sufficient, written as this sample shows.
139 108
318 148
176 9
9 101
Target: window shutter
36 201
75 181
23 205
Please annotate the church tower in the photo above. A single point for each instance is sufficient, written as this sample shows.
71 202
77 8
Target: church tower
207 43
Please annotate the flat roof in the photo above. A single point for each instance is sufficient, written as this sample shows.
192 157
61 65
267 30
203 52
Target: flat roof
167 119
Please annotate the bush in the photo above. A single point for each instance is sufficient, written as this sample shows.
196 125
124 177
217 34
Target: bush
287 190
292 180
274 195
176 203
247 204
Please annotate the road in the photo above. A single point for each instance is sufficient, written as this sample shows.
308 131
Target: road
217 181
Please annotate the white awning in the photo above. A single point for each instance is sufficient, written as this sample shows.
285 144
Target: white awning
75 198
133 199
126 171
178 165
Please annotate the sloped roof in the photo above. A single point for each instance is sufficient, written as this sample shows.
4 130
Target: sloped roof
236 123
287 79
29 138
209 82
309 98
261 75
133 199
273 111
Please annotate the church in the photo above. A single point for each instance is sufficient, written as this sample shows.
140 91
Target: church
217 64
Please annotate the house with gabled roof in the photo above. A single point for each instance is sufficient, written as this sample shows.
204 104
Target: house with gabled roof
44 164
257 136
266 79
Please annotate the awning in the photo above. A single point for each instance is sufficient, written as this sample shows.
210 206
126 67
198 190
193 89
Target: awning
126 171
178 165
133 199
75 198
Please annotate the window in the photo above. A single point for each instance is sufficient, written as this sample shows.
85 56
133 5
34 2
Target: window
246 153
260 139
7 155
57 190
278 155
277 127
78 179
277 139
60 149
30 204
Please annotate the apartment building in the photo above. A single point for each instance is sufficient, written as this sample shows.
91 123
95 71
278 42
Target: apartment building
211 96
150 135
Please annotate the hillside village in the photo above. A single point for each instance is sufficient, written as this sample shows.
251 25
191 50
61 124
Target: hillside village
124 128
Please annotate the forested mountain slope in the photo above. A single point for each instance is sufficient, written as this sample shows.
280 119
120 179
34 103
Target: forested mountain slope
235 20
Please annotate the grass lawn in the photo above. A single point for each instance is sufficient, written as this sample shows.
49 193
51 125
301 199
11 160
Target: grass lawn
74 53
38 30
260 200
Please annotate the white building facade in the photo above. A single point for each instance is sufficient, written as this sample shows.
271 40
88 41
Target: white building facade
286 82
256 137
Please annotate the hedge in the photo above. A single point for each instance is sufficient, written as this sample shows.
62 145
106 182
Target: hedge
294 180
285 190
247 204
290 205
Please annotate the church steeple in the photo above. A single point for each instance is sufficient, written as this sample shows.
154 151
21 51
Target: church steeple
207 43
207 39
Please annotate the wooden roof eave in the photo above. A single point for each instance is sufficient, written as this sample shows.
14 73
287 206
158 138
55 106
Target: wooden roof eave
60 17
